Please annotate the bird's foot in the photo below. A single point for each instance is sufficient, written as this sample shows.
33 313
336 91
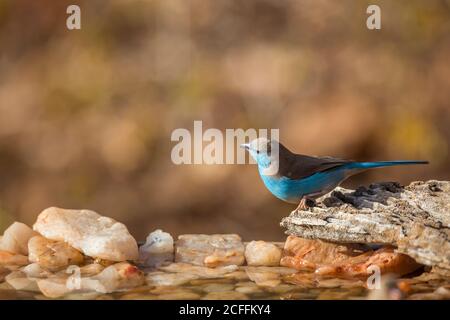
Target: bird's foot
305 204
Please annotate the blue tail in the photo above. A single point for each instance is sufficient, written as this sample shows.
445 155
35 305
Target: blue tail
380 164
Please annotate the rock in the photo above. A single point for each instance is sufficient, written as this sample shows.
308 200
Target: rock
415 219
92 269
261 253
94 235
8 258
117 277
228 295
19 281
53 255
3 272
218 287
268 276
388 290
157 250
15 238
210 250
179 294
264 279
238 275
34 270
343 259
248 289
159 278
201 272
53 287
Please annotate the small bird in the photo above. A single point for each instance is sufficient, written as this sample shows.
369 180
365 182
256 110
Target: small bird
300 179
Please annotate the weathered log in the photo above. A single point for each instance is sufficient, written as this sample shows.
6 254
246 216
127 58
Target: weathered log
415 219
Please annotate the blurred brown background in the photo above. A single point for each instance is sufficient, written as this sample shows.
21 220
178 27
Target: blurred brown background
86 115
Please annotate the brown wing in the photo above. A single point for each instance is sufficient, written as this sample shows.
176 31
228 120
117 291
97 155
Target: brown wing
298 166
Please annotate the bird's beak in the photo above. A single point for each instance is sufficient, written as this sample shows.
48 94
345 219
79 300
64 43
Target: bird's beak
246 146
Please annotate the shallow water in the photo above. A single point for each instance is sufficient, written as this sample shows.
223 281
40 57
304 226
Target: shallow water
272 284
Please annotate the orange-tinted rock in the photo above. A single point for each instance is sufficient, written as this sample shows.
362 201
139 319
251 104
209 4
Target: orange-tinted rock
8 258
343 259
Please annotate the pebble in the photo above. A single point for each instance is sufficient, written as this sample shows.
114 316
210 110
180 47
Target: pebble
159 278
15 238
52 255
158 249
227 295
202 272
210 250
261 253
218 287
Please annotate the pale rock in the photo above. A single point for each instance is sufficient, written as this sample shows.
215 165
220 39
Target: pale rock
248 289
202 272
53 287
19 281
15 238
157 250
117 277
228 295
179 295
218 287
91 269
264 279
94 235
261 253
53 255
34 270
159 278
210 250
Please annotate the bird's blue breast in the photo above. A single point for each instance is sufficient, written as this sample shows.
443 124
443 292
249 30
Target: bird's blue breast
290 190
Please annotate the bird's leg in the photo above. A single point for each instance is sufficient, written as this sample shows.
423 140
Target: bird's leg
305 204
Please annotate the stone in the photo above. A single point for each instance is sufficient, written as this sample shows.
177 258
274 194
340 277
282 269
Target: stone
87 231
159 278
53 255
117 277
53 287
238 275
34 270
218 287
15 238
354 260
19 281
227 295
248 289
264 278
92 269
3 272
278 270
201 272
210 250
179 295
7 258
415 219
261 253
158 249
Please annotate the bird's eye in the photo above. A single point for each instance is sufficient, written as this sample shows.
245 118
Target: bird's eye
257 151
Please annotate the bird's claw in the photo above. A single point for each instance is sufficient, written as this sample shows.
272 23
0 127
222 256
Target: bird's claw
305 205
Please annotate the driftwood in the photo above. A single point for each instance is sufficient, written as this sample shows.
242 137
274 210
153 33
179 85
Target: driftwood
415 219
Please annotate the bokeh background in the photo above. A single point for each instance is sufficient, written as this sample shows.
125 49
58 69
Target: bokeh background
86 115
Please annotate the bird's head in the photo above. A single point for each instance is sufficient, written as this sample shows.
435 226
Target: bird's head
263 150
